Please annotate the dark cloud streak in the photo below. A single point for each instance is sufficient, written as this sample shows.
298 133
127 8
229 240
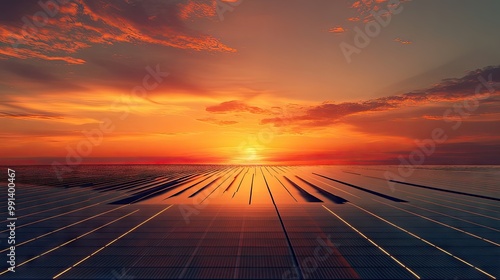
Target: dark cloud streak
448 90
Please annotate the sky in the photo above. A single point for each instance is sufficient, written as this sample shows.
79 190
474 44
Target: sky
249 82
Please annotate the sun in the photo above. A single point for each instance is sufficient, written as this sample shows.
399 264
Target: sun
251 154
248 155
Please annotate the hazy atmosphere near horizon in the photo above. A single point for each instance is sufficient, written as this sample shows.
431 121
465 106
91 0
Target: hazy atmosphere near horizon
249 139
259 82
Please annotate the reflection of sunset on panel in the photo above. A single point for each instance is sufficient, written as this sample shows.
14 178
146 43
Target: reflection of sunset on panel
266 83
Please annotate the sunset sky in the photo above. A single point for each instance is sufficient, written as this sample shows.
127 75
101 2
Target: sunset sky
249 81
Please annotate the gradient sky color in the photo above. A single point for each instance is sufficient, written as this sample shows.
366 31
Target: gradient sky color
264 82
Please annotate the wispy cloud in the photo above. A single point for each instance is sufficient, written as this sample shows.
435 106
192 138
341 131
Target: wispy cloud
337 29
80 24
216 121
30 116
235 106
197 9
403 42
47 117
326 114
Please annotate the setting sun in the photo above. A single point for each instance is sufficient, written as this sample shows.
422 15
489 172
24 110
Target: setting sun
252 155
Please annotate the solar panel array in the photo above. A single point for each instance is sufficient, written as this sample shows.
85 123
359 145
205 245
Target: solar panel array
272 222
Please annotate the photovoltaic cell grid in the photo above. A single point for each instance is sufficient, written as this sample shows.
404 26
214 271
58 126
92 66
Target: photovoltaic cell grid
199 222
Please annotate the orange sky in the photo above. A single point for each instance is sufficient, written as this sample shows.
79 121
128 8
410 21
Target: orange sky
251 82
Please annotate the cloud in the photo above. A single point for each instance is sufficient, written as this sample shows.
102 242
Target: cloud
197 9
456 88
403 42
448 90
28 31
22 109
337 30
364 9
325 114
216 121
26 53
235 106
47 117
30 116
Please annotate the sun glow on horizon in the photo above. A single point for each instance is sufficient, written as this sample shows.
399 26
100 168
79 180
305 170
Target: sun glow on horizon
248 156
